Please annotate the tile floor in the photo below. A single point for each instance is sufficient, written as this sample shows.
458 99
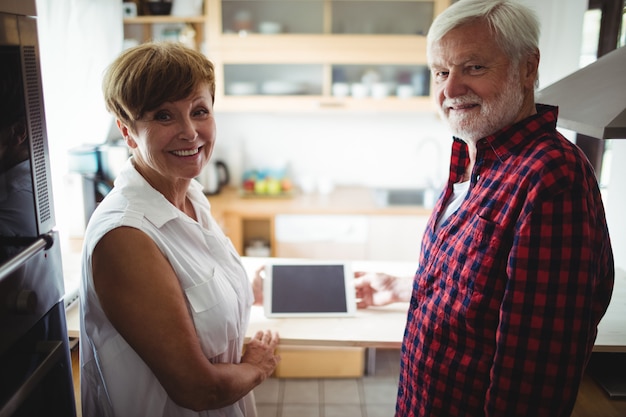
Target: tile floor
370 396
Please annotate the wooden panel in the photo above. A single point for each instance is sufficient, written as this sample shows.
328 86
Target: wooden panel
592 401
320 362
76 375
337 49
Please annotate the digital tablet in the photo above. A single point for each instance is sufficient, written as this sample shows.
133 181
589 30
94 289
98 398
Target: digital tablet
308 289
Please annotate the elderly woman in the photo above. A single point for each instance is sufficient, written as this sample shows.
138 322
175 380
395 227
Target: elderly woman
165 300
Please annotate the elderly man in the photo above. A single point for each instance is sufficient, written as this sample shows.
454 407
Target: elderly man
516 267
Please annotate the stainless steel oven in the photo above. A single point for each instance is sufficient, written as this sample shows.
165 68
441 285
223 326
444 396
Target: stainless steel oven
35 365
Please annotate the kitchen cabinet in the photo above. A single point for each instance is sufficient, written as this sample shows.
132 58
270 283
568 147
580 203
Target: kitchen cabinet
348 224
308 55
382 237
396 237
190 30
321 236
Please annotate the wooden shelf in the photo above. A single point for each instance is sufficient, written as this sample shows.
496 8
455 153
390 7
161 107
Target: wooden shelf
150 20
306 104
329 51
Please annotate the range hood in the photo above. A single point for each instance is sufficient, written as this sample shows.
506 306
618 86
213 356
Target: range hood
592 100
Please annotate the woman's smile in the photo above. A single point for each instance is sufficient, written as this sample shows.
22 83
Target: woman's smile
186 152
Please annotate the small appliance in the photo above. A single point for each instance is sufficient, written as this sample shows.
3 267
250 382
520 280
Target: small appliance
214 177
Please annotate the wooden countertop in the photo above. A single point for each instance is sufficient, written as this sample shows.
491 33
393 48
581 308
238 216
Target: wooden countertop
384 327
343 200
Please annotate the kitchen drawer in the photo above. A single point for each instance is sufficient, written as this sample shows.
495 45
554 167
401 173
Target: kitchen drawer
320 362
350 237
396 238
321 236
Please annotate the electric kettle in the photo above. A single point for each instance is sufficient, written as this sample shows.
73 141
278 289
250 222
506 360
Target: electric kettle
214 177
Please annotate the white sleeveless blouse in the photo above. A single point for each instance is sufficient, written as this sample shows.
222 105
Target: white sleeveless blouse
114 379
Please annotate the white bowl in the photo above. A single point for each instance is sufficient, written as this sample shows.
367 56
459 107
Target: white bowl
359 90
270 28
341 89
241 89
278 87
405 91
380 90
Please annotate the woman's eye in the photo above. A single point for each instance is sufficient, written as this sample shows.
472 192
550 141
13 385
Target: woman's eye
162 116
201 112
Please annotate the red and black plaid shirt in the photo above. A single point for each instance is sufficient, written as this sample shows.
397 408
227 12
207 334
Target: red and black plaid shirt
510 290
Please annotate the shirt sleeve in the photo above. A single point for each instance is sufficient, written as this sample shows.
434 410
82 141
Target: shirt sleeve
553 301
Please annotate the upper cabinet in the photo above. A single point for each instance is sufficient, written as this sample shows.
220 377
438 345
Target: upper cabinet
308 55
177 20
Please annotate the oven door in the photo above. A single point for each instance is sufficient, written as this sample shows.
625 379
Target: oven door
36 371
35 365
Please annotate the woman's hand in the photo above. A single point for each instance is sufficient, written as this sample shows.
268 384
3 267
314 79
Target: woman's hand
261 352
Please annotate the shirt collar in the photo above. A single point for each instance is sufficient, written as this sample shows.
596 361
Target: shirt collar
505 141
156 208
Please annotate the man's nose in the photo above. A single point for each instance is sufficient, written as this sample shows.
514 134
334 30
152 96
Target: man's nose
455 85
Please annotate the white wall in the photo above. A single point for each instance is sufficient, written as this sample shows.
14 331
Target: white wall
615 202
371 149
561 37
78 39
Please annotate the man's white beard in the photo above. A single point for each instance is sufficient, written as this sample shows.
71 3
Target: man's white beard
494 115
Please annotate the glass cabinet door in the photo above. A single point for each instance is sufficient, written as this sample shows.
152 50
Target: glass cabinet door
326 54
272 79
360 17
273 16
380 81
371 17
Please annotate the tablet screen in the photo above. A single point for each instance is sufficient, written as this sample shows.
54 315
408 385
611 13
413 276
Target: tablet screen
308 289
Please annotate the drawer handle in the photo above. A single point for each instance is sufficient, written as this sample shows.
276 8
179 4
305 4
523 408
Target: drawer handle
331 104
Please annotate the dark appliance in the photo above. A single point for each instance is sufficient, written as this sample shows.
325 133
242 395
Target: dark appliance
98 166
35 366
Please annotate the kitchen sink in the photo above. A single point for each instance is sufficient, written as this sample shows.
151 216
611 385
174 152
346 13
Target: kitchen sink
386 197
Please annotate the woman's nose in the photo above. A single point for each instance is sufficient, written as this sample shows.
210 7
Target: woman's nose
188 129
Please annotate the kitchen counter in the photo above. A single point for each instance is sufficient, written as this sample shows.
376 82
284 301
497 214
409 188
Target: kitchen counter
384 327
245 217
342 200
374 327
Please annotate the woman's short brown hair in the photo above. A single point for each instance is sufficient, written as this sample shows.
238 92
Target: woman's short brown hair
145 76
